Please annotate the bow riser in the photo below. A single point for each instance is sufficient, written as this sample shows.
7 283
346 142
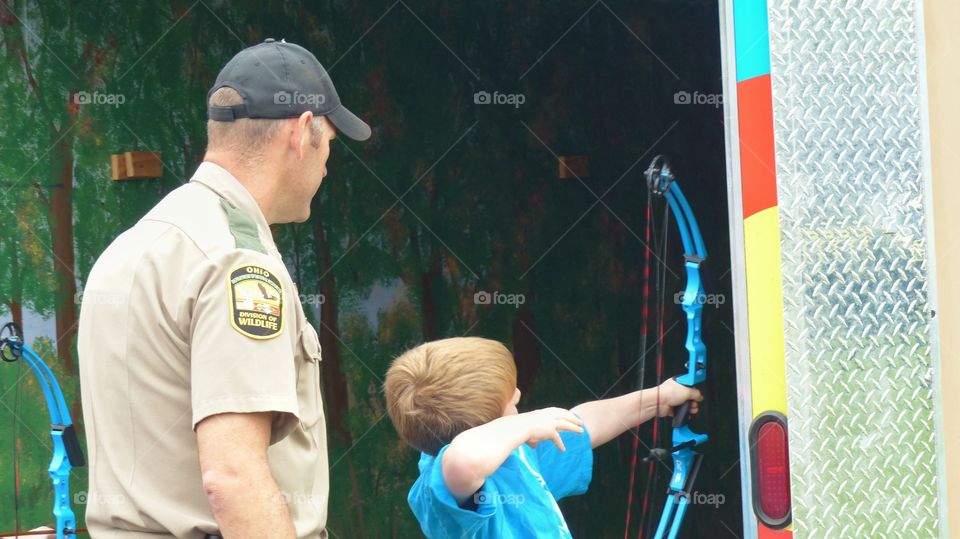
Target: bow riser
693 297
59 471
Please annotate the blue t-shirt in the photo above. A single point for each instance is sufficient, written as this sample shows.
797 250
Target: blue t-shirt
518 500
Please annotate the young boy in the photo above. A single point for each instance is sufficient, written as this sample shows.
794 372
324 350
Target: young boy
485 469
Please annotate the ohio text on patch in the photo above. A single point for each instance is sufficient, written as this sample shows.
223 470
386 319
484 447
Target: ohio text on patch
256 302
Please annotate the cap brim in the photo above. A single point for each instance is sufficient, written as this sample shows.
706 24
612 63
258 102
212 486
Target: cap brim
349 124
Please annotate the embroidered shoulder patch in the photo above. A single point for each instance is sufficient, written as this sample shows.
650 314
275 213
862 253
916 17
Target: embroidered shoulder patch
256 302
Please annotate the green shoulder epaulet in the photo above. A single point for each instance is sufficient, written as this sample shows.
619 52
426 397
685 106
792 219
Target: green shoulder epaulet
242 227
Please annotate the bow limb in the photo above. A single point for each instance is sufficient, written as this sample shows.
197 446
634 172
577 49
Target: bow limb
66 447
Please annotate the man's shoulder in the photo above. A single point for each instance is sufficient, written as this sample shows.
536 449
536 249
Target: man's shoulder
187 226
196 213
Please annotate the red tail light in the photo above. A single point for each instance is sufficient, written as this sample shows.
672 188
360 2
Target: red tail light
771 469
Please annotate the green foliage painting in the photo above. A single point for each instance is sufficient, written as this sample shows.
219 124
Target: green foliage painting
456 194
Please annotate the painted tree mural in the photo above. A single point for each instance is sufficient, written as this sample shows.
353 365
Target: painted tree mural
449 198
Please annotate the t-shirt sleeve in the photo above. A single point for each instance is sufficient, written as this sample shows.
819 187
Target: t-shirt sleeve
566 473
437 510
241 350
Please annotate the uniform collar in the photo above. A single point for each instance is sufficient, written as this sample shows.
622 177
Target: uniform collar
221 182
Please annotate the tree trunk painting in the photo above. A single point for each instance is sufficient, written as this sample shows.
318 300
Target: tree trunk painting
61 218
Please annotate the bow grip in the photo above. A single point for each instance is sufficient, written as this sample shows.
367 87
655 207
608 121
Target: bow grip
681 414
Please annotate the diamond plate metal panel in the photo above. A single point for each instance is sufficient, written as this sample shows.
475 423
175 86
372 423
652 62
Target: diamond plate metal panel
850 153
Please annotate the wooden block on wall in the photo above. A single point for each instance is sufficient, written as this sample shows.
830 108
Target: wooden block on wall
574 166
143 165
118 167
130 165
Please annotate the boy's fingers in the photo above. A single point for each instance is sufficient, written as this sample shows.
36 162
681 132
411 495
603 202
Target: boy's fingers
568 425
556 439
571 417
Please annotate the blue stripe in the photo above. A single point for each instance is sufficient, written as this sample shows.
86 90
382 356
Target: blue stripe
752 38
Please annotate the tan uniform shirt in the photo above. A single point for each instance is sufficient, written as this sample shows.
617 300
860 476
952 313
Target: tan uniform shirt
188 314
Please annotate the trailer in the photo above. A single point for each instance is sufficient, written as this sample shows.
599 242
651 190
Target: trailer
834 277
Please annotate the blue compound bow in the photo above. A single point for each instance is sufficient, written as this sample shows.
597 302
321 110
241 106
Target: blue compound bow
66 447
686 461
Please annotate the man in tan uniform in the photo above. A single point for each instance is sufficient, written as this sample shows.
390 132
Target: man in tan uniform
199 371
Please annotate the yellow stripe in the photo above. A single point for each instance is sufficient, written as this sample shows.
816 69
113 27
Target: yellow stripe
761 234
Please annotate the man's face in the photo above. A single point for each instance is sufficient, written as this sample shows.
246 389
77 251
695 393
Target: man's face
309 172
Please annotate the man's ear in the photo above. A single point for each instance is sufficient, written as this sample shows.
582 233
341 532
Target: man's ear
301 134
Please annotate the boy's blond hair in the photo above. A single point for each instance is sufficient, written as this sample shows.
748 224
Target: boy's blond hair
442 388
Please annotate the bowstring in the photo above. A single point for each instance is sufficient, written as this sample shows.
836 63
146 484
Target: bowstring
660 279
642 349
653 471
17 408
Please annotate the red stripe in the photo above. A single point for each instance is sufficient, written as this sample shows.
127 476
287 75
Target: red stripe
757 161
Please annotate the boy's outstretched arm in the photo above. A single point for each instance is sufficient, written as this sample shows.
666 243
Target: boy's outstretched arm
476 453
606 419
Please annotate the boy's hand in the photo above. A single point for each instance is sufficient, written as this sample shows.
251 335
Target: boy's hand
547 423
673 394
476 453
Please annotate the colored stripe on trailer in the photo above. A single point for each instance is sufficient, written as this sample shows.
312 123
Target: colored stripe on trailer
761 238
761 218
752 38
758 168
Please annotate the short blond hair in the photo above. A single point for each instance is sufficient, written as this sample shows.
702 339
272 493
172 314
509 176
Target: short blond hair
442 388
246 137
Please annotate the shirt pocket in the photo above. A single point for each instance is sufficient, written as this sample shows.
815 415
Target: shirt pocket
308 378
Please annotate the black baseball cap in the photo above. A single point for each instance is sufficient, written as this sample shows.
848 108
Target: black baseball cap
281 80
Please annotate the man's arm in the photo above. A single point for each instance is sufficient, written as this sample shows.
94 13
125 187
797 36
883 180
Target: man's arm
243 495
606 419
476 453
